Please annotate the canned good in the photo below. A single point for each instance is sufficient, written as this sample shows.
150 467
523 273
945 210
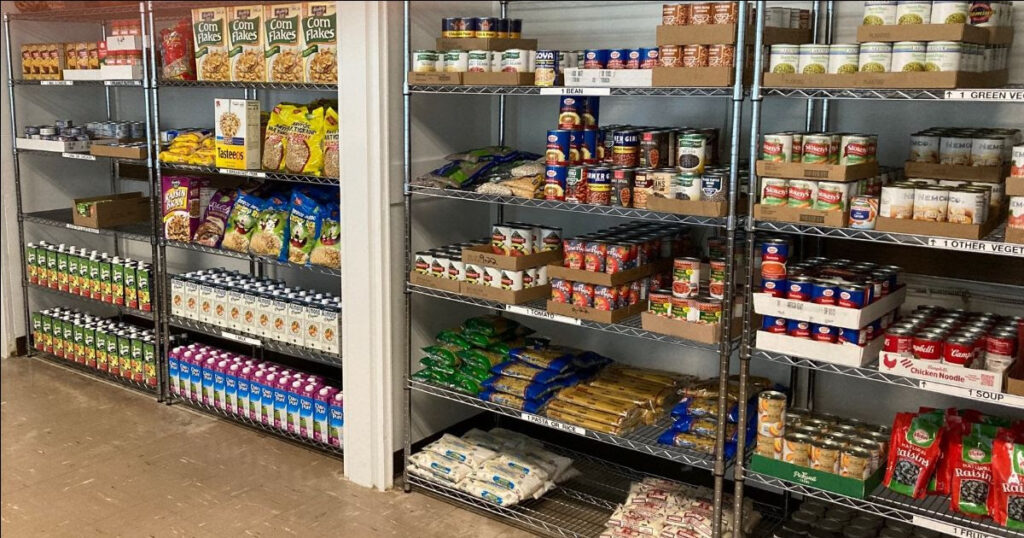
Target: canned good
843 58
798 329
824 456
875 57
785 59
695 56
659 302
813 58
424 61
864 211
721 55
909 56
913 12
855 462
691 152
879 12
685 277
931 203
800 288
775 191
816 148
716 282
801 193
670 56
949 12
595 59
924 148
832 196
987 151
777 147
943 56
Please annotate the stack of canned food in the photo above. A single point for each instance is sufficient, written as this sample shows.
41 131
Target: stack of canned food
970 339
819 148
66 131
89 273
260 391
986 13
689 298
477 61
481 27
878 57
261 307
847 447
966 146
946 200
111 346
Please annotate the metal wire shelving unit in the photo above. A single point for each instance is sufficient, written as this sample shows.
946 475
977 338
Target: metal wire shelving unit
88 371
536 90
315 355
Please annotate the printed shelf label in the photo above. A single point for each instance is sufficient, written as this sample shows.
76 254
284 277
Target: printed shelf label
82 156
244 173
970 245
122 82
542 314
544 421
981 395
240 338
1011 96
948 528
56 83
576 91
85 229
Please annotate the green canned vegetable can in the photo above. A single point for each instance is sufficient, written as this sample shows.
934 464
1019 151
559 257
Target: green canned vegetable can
131 296
117 281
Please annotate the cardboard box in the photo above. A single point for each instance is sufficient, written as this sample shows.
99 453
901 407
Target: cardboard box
55 146
211 43
800 80
482 255
1015 236
693 77
705 333
121 72
320 42
935 79
837 316
797 215
437 283
821 480
939 372
284 37
989 174
246 46
938 229
110 210
608 279
608 78
593 314
688 207
891 33
497 79
125 42
491 293
822 172
435 79
484 43
1015 381
711 34
237 131
1015 186
838 353
85 74
120 151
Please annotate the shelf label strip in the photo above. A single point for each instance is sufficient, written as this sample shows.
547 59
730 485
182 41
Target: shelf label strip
85 229
974 394
240 338
948 528
1011 96
970 245
81 156
122 82
244 173
56 83
547 422
575 91
542 314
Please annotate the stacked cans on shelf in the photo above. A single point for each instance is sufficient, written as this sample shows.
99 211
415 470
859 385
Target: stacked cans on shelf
66 131
118 348
475 61
940 200
481 27
839 282
973 146
694 54
92 274
260 391
879 57
978 340
262 307
685 300
819 148
983 14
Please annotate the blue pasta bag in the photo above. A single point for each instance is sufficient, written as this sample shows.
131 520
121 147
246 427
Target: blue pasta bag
552 358
531 405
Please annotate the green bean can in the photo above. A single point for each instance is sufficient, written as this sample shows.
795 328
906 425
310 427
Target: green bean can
137 358
142 283
117 281
131 294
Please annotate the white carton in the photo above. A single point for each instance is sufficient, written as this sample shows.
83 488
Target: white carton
608 78
939 372
838 353
237 133
125 42
848 318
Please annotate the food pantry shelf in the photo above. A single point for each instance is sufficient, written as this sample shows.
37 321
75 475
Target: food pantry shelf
630 326
288 86
885 94
258 174
931 512
122 309
589 209
269 345
643 439
259 426
243 256
62 218
870 372
92 372
129 83
993 244
538 90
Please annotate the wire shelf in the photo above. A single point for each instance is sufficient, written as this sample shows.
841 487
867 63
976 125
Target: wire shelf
589 209
120 83
257 174
536 90
300 352
643 440
62 218
881 93
88 371
288 86
122 10
930 512
121 309
992 244
82 157
324 448
243 256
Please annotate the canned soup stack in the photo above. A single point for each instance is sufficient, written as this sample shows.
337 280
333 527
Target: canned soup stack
978 340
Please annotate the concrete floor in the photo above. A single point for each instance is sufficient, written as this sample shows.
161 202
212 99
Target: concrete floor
83 458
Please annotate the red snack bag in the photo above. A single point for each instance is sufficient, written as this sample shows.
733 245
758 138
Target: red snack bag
914 449
954 429
970 470
1006 501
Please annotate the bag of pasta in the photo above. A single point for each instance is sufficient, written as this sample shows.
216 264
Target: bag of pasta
332 166
268 239
327 251
303 151
276 138
303 225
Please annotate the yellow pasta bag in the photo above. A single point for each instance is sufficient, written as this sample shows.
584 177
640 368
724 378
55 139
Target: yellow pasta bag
277 136
303 152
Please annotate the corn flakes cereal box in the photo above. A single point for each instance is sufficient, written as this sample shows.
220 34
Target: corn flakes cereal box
320 42
284 42
211 44
245 36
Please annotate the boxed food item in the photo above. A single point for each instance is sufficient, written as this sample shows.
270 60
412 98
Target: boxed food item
110 210
245 36
237 133
211 43
181 206
284 42
320 42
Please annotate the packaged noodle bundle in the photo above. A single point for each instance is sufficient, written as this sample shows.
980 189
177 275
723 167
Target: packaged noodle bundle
304 225
303 152
332 164
268 239
327 252
242 222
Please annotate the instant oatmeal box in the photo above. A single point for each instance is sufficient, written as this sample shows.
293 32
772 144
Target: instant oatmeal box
211 44
284 42
245 35
320 42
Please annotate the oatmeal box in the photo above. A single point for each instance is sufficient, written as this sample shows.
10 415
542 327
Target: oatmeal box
181 196
245 35
320 42
284 42
211 44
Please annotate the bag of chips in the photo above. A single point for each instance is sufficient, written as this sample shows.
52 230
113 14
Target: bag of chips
327 252
303 226
242 222
268 239
332 164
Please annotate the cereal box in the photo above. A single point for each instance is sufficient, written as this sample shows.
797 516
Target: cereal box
211 44
245 35
284 42
320 42
181 211
237 133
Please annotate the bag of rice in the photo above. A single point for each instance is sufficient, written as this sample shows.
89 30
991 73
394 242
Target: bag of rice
242 222
303 151
327 251
304 225
332 166
271 229
211 229
276 138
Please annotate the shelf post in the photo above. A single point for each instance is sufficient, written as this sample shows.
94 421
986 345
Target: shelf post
407 209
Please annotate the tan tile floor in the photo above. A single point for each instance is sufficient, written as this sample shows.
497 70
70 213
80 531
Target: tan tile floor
83 458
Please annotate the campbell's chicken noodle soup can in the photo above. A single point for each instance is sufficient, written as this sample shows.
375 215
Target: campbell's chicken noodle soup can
695 56
1002 342
927 345
798 329
959 350
670 56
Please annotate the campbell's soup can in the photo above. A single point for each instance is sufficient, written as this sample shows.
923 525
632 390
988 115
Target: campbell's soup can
958 350
1002 343
927 345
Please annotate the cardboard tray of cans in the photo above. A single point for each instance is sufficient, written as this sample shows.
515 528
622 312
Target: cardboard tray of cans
484 43
693 77
503 78
602 278
705 333
483 255
937 79
836 316
802 215
435 282
1015 236
124 150
809 80
939 229
835 353
1015 186
56 146
590 313
988 174
490 293
725 34
111 210
825 481
435 79
966 33
940 372
688 207
826 172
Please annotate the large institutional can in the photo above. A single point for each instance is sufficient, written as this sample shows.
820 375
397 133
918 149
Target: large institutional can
879 12
913 12
943 56
816 148
456 61
785 59
967 206
875 57
777 147
908 56
801 193
478 61
924 148
832 196
813 58
424 61
987 151
931 203
843 58
949 12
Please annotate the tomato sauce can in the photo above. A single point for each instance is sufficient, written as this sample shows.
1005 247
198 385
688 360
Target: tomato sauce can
561 290
800 288
773 324
555 182
775 287
583 294
824 333
851 296
716 280
798 329
606 298
709 311
857 337
685 277
823 291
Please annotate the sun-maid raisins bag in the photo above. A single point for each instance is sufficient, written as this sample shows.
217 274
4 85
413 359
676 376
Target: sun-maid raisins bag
1006 501
914 449
970 477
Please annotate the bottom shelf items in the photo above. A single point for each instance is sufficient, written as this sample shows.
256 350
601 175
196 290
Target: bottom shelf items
93 372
